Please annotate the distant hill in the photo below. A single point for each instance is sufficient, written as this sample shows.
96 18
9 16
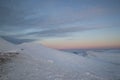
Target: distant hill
16 40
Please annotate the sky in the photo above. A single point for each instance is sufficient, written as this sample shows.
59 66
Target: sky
62 24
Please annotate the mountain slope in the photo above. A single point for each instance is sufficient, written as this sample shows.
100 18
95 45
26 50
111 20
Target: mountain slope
5 45
36 62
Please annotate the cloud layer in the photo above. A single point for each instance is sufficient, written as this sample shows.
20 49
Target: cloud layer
56 18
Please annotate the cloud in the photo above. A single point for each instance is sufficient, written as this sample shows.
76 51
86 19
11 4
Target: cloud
39 18
16 40
61 31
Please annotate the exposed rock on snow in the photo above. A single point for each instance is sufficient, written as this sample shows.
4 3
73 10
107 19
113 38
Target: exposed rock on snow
5 56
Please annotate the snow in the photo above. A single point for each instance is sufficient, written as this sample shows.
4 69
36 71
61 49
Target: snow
37 62
6 46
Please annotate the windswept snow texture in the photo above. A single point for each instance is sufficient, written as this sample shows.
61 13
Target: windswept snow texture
36 62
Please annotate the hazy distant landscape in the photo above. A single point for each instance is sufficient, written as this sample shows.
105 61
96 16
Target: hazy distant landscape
105 55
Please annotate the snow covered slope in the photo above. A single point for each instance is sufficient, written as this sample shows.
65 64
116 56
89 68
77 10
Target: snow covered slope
36 62
6 46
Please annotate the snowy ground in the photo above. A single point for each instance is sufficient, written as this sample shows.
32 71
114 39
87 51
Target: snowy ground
36 62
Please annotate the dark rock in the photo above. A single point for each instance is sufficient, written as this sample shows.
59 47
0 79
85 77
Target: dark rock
6 56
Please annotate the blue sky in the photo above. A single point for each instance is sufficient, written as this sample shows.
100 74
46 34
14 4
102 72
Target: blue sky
50 22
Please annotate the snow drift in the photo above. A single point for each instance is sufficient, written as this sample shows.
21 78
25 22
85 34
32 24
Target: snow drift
36 62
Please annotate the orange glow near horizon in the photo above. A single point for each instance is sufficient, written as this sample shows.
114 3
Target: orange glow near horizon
102 38
80 44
